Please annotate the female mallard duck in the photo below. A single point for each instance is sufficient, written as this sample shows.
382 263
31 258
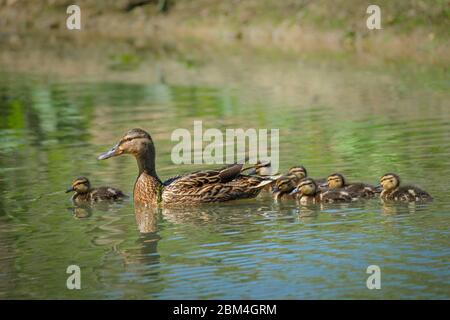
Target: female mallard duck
358 189
392 191
308 192
198 187
84 193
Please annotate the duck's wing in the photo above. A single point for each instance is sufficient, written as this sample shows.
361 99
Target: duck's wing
172 179
225 174
214 186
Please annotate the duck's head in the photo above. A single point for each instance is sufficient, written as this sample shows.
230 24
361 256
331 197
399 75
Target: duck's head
299 172
283 184
135 142
307 187
390 181
335 180
80 185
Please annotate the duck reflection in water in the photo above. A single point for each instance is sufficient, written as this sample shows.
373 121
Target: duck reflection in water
147 251
308 213
85 210
398 208
81 212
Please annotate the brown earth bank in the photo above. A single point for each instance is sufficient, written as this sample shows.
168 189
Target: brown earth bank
414 32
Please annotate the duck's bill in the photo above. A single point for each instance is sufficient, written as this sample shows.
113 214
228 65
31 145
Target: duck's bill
323 185
114 151
379 188
294 191
69 190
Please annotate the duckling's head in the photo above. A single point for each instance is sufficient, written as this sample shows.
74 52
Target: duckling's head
335 180
299 172
390 181
80 185
263 168
307 187
284 184
135 142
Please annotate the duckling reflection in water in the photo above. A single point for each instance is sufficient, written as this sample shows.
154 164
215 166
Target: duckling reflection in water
81 212
392 191
307 192
84 193
397 208
358 189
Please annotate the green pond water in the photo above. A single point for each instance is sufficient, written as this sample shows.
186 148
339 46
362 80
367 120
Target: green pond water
362 123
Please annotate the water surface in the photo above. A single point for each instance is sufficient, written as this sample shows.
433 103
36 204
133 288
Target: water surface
362 124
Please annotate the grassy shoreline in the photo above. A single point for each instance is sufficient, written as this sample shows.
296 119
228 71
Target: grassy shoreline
318 30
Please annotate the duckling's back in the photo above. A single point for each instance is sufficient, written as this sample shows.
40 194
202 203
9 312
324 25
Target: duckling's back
408 194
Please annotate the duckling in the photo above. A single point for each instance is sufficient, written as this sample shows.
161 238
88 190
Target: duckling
308 192
84 193
300 173
357 189
287 182
392 191
205 186
260 169
283 186
263 169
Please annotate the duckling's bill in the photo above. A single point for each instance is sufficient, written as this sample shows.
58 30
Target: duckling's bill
70 189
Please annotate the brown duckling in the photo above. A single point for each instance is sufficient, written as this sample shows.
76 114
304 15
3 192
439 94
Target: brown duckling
300 173
356 189
260 169
308 192
392 191
283 186
198 187
84 193
263 169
